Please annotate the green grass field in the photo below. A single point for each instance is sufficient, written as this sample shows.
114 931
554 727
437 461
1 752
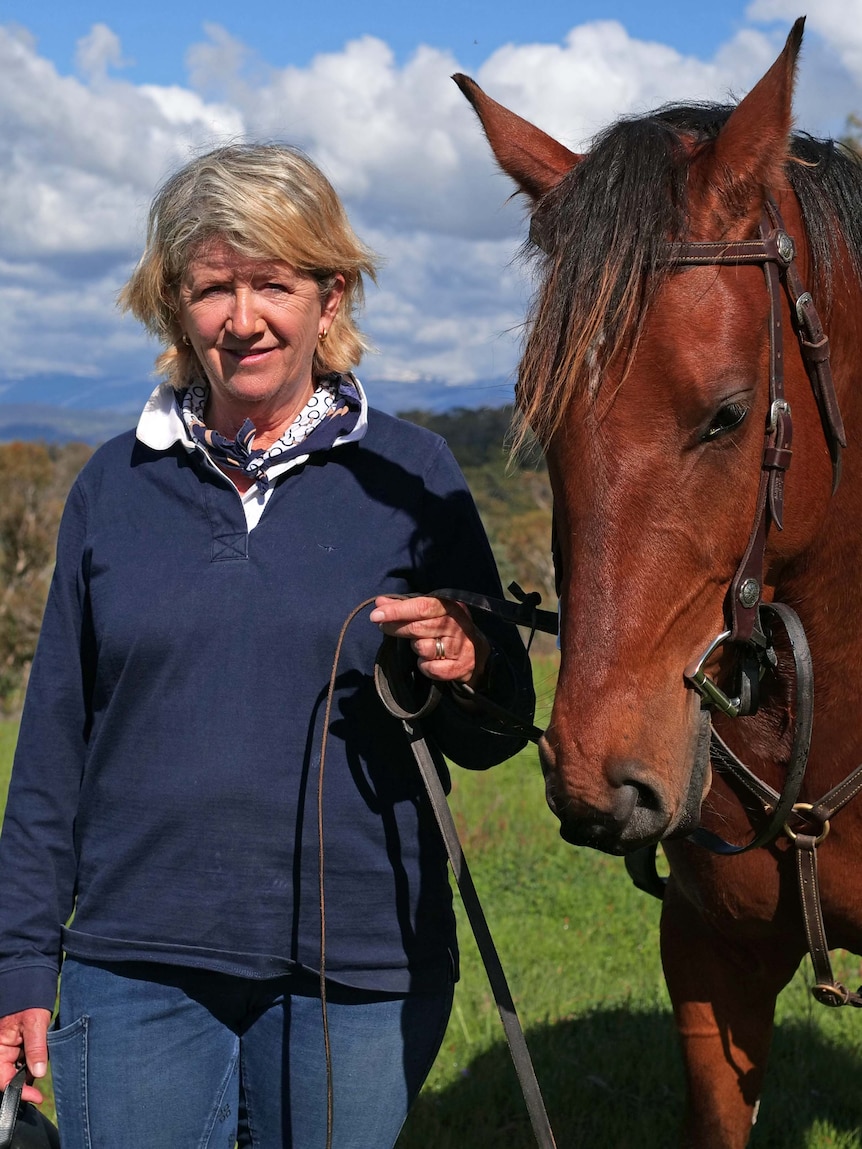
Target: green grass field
580 948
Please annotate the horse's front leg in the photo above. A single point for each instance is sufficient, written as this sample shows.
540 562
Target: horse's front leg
723 996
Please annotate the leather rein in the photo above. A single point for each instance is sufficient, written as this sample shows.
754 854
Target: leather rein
750 620
396 687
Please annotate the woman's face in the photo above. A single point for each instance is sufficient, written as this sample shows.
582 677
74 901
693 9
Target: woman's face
254 326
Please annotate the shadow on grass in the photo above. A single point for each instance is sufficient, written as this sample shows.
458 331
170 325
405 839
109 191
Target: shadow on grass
613 1080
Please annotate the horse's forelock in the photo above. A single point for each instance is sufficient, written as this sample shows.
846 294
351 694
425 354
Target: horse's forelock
603 229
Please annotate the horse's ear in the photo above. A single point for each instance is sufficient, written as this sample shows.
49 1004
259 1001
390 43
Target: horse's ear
751 151
534 160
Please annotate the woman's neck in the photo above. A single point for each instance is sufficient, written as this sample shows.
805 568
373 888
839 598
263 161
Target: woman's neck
270 420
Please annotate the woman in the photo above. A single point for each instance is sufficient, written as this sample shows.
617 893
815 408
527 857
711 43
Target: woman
165 782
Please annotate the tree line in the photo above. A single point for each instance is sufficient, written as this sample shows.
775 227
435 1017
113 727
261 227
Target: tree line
513 493
34 481
513 498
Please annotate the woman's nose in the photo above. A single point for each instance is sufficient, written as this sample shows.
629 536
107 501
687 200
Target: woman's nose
244 315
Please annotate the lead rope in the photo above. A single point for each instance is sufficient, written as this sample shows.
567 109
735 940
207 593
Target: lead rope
443 816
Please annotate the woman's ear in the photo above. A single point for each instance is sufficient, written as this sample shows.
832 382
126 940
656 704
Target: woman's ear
332 302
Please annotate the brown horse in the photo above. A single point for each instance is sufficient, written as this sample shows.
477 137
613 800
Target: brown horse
646 377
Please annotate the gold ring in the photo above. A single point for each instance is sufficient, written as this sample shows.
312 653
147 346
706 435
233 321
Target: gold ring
801 808
440 648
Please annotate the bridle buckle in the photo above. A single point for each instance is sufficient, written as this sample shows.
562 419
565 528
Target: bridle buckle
778 408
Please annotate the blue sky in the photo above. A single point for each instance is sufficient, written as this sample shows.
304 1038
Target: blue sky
156 34
99 103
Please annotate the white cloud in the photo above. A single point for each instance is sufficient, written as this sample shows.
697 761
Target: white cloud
182 108
98 51
829 82
80 157
61 327
599 73
431 331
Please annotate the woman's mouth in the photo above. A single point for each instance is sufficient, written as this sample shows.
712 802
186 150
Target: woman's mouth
249 356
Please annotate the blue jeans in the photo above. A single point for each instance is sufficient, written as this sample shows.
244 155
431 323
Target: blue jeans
149 1056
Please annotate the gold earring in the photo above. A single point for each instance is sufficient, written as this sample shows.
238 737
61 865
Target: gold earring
321 335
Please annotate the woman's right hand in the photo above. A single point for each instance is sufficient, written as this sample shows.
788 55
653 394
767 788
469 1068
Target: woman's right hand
27 1029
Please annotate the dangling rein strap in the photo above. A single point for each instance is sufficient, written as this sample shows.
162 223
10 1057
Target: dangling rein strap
391 682
9 1108
525 612
815 818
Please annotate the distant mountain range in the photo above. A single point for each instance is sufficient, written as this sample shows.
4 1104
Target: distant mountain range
77 409
30 421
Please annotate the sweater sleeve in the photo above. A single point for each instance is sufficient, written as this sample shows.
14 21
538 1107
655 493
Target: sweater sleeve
458 555
37 847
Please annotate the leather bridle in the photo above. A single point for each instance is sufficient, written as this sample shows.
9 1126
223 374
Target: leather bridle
805 824
775 251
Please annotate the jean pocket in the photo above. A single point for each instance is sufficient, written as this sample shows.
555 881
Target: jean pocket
67 1051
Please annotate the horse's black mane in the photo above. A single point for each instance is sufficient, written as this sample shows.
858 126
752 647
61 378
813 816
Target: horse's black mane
605 228
824 174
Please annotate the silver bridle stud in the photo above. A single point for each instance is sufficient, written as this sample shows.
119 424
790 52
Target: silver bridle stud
749 593
786 246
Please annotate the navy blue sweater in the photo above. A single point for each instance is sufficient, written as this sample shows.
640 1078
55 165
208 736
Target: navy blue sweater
164 786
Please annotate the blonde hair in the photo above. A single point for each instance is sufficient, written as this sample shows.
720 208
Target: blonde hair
266 201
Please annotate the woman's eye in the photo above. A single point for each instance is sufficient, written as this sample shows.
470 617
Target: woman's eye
726 419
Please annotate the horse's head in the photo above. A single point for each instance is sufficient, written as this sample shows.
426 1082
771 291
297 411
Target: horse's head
647 384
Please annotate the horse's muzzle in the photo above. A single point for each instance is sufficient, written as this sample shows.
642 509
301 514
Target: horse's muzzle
622 803
631 813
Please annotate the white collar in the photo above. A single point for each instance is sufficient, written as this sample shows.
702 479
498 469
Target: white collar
161 423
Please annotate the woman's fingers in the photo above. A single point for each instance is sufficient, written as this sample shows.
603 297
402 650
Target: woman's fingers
24 1032
440 631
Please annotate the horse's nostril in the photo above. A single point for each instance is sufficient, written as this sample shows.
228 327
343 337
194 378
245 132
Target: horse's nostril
628 775
647 798
624 804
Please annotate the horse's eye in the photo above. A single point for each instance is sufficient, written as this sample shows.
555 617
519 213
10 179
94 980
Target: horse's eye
726 419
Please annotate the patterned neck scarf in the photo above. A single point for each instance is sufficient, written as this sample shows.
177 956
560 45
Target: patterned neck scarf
333 410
